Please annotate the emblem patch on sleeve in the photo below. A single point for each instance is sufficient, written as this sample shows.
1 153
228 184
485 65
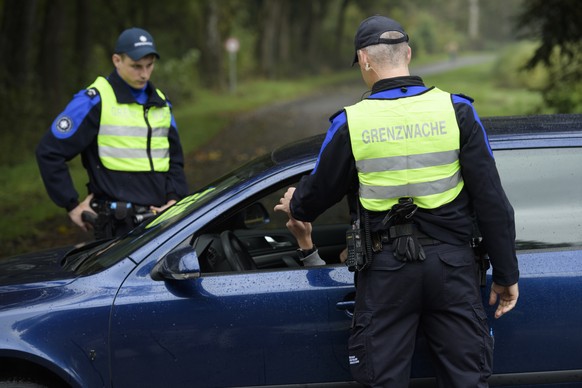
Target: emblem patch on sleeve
92 92
64 124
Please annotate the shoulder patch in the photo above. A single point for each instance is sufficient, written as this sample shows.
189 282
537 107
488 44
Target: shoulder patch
91 92
465 97
64 124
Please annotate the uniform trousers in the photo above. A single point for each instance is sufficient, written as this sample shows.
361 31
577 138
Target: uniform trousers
440 296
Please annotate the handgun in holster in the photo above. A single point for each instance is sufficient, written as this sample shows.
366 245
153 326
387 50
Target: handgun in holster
483 263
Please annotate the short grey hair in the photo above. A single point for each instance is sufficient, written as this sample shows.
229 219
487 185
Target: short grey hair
389 54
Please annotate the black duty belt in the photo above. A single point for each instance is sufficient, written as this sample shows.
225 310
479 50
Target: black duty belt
118 209
388 236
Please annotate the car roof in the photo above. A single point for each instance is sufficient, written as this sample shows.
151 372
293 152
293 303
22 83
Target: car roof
515 125
504 131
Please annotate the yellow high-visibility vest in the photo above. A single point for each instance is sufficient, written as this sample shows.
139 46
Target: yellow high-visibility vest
406 147
132 137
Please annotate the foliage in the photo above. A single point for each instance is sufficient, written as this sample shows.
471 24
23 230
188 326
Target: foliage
555 25
480 83
510 68
179 76
20 131
563 92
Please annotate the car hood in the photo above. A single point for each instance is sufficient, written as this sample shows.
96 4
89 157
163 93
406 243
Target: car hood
35 267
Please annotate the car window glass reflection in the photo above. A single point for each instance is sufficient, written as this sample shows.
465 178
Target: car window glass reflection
547 197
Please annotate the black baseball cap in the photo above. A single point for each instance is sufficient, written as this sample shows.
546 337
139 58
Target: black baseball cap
372 28
137 43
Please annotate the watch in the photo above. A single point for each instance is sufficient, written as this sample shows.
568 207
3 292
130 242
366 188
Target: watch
303 253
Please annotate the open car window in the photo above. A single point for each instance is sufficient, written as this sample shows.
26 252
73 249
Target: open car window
263 235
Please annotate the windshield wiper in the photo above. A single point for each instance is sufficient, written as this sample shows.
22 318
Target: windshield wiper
77 256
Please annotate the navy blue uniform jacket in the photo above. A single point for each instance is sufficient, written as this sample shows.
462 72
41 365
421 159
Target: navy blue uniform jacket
75 131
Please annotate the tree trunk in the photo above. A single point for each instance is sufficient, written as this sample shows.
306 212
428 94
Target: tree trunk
272 13
338 39
211 58
52 55
474 22
16 44
83 53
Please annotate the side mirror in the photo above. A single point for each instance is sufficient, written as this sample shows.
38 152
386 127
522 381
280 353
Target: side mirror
255 215
177 265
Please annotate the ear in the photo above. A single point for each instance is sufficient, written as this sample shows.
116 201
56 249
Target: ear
362 58
116 59
408 55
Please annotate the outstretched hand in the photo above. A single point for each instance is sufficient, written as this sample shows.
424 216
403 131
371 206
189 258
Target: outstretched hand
283 205
507 296
301 231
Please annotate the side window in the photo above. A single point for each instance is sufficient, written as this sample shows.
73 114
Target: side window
337 214
545 188
252 231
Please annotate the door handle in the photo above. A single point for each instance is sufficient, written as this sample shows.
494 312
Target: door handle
347 306
278 244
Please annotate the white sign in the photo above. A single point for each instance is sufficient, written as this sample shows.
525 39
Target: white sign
232 45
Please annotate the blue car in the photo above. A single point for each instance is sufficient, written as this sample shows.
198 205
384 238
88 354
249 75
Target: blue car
211 294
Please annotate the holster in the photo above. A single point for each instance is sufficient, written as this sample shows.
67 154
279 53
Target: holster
483 262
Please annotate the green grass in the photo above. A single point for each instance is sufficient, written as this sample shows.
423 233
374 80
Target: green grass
24 202
479 83
200 120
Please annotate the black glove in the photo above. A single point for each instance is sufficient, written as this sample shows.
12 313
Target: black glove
407 248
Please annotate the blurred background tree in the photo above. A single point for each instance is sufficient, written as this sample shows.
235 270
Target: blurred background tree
556 25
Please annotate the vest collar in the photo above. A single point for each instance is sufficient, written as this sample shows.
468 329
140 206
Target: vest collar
397 82
123 93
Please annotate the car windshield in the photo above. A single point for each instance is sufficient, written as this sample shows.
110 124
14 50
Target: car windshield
95 260
206 194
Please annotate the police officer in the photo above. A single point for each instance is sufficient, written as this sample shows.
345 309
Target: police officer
125 131
423 167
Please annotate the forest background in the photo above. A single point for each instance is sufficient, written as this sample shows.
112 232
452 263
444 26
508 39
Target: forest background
50 49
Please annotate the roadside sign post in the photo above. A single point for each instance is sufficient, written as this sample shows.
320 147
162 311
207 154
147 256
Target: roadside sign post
232 46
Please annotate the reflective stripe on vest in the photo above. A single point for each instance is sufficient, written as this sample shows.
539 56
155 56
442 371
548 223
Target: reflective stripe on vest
407 147
126 141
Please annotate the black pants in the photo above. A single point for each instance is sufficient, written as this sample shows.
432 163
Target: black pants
439 296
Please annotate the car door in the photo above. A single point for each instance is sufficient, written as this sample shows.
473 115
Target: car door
540 341
232 329
272 326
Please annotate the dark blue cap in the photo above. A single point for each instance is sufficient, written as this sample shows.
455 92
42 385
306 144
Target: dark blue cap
136 43
372 28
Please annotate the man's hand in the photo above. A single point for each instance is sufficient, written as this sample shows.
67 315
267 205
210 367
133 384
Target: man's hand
301 231
159 209
76 214
343 255
283 205
507 298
